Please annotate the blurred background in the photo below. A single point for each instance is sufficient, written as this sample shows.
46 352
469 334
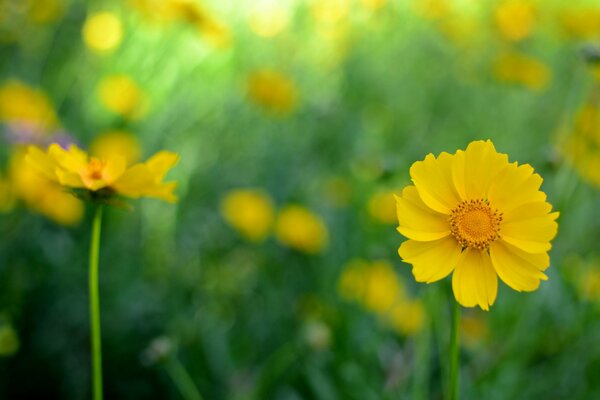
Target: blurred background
276 276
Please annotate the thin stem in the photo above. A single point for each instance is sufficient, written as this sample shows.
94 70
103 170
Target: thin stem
182 379
95 304
454 352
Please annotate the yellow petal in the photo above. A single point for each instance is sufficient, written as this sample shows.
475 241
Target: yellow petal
161 163
417 221
519 270
527 211
114 168
41 162
433 179
72 160
532 235
431 261
133 181
69 179
515 186
474 281
474 169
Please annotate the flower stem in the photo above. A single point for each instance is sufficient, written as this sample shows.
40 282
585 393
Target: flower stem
454 352
95 304
182 379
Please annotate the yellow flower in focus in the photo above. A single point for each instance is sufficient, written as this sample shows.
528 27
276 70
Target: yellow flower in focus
521 69
302 230
377 288
515 19
42 195
479 217
118 142
382 207
582 146
268 18
73 168
250 211
581 23
273 91
102 31
22 103
121 95
7 198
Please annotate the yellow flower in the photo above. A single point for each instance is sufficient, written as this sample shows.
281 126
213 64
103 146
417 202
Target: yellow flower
581 23
9 341
582 146
302 230
477 216
523 70
432 9
250 211
407 317
474 330
121 95
102 31
192 13
273 91
268 18
515 19
22 103
73 168
42 195
118 142
382 207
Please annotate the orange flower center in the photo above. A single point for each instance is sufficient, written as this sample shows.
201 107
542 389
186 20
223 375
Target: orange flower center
473 223
94 169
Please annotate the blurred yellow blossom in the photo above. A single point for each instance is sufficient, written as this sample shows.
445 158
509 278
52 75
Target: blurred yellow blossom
102 31
382 207
267 18
42 195
9 341
432 9
522 69
121 95
581 22
376 287
22 103
250 211
581 146
74 169
474 329
299 228
193 13
515 19
7 198
41 12
273 91
118 142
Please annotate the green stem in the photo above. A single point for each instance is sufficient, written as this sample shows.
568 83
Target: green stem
454 351
95 304
182 379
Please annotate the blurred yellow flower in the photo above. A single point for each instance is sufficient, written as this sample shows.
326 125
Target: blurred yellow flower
42 195
515 19
474 330
73 168
116 142
376 287
582 145
522 69
268 18
9 341
432 9
194 14
102 31
7 197
302 230
121 95
41 12
382 207
22 103
273 91
581 22
477 216
250 211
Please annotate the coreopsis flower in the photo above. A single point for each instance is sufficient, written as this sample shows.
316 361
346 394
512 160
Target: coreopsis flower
21 103
123 96
250 211
301 229
102 32
73 168
515 19
581 22
273 91
479 217
382 207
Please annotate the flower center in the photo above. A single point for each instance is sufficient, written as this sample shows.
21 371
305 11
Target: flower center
475 224
94 168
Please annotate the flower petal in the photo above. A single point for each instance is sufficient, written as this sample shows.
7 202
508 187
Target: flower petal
532 235
520 270
433 179
527 211
417 221
160 163
115 167
431 261
515 186
474 170
474 281
69 179
72 160
41 162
